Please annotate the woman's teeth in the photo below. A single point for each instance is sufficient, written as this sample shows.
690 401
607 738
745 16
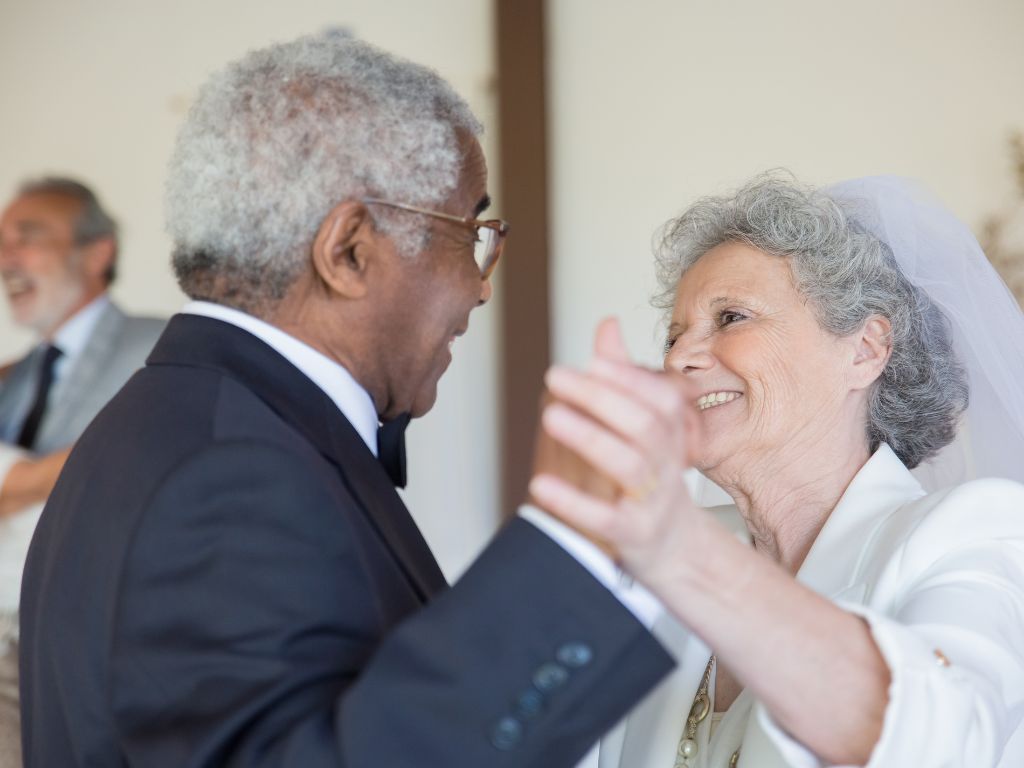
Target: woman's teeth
712 399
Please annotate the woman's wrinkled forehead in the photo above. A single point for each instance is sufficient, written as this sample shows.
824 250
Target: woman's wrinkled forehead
736 271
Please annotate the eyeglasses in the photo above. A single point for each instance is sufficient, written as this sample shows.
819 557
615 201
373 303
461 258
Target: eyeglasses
490 234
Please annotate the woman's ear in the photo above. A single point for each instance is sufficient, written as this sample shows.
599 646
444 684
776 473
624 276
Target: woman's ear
872 350
344 248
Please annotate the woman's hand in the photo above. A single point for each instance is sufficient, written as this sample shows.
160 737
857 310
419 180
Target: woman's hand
551 457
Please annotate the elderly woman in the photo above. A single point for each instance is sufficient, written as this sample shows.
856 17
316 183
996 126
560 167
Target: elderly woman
860 619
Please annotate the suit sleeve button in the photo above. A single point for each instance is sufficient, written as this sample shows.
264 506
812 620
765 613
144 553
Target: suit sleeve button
549 677
529 704
575 655
507 733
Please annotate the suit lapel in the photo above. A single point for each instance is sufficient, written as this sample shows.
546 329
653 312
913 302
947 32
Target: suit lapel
80 382
16 394
208 343
371 485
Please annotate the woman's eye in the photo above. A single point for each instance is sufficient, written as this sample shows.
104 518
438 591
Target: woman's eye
728 317
669 343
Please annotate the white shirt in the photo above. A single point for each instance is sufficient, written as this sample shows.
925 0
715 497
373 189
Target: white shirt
72 337
337 383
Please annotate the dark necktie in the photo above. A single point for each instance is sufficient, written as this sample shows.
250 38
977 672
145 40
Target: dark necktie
27 436
391 448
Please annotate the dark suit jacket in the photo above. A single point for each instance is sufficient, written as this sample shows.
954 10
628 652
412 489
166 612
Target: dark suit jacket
224 575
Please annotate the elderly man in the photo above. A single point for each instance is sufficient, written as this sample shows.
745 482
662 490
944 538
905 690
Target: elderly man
225 574
58 251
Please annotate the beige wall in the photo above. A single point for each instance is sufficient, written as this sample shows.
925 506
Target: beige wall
655 103
652 104
98 88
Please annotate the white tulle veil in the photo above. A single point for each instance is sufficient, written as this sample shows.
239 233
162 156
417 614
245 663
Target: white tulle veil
940 256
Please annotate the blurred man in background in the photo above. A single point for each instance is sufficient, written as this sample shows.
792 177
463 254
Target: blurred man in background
58 255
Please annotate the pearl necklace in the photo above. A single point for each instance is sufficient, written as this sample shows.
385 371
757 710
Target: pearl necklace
687 750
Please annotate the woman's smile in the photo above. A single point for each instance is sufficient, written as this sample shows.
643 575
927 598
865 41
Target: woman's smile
715 399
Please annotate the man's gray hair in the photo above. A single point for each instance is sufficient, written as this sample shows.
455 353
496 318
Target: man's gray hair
278 138
848 275
93 222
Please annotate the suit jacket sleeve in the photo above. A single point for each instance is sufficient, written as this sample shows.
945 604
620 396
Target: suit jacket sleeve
248 637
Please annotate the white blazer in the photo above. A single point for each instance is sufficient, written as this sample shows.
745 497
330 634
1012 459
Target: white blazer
929 573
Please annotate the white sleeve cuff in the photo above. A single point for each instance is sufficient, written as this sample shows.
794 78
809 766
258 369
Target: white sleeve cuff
635 597
792 752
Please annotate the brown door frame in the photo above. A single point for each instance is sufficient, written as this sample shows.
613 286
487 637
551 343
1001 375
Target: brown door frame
525 327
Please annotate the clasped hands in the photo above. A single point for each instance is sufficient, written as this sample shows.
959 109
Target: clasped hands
612 445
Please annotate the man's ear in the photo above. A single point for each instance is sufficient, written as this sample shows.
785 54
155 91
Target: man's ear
872 350
98 257
344 249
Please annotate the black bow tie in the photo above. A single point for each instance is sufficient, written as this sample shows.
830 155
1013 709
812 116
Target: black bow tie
391 448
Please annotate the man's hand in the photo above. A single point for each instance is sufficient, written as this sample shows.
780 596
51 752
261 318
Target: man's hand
636 429
555 459
30 481
552 458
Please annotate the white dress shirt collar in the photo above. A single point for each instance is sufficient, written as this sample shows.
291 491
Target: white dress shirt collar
352 400
72 337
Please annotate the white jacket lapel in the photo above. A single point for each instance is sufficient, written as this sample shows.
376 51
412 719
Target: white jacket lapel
832 567
652 730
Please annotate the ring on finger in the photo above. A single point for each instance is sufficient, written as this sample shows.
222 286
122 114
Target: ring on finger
642 492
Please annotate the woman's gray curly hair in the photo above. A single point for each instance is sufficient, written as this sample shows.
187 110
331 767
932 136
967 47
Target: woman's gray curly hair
848 275
282 135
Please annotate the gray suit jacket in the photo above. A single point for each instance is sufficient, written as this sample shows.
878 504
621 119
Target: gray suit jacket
116 349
